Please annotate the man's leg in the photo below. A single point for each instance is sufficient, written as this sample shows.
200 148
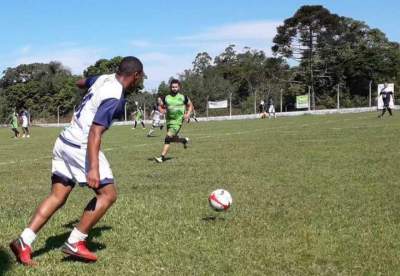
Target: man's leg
390 111
94 211
383 112
22 245
58 196
97 207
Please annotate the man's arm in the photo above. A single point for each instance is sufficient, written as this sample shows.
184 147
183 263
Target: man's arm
189 109
86 83
93 149
81 83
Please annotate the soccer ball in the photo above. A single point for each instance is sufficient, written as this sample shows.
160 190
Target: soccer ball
220 200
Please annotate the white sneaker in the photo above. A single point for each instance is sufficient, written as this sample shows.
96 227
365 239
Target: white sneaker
158 159
28 136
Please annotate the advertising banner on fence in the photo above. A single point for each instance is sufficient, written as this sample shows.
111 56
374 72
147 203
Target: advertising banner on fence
218 104
302 101
383 92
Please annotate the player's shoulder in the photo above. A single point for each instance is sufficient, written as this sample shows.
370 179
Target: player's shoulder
107 86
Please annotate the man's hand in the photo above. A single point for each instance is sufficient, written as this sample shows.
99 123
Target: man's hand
93 178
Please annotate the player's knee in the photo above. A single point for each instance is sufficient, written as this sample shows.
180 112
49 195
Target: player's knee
58 199
110 196
168 140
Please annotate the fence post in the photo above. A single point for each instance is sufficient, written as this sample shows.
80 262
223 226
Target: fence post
58 115
126 103
230 105
207 107
370 89
309 98
338 96
281 99
255 101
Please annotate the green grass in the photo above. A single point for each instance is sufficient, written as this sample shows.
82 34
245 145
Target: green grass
312 195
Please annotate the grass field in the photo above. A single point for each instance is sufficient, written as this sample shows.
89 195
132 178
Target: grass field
312 195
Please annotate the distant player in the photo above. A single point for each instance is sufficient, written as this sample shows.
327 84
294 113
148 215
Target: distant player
138 117
387 96
77 159
193 115
271 108
156 117
25 118
261 110
14 124
178 108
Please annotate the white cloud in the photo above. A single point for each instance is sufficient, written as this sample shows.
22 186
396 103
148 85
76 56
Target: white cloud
160 66
76 59
250 31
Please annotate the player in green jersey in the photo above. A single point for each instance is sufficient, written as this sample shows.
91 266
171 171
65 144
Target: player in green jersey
178 108
138 117
14 124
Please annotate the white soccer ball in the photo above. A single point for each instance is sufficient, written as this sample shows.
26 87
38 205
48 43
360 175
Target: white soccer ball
220 200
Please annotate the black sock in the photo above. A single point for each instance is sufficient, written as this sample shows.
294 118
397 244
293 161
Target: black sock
135 124
162 157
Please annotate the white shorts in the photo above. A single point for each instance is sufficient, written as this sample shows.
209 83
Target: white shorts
70 164
24 123
271 109
156 123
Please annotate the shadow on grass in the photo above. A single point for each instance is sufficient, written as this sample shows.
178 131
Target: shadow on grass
213 218
166 159
55 242
5 261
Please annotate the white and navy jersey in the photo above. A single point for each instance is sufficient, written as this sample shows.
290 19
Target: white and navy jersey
103 103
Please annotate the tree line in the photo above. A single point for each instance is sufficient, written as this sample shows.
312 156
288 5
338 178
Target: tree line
314 51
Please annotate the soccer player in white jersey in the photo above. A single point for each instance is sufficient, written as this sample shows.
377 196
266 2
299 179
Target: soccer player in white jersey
25 123
77 159
156 117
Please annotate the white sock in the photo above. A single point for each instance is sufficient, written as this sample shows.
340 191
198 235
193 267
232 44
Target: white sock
28 236
76 236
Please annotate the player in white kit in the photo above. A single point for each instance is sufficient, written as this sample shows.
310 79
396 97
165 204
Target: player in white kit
77 159
156 117
25 124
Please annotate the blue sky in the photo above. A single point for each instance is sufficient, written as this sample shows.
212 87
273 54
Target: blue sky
166 35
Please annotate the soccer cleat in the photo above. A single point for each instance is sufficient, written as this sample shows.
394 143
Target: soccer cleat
28 136
158 159
185 142
79 250
22 252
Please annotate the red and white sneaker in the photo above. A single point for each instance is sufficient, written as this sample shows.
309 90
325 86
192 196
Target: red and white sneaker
22 252
79 250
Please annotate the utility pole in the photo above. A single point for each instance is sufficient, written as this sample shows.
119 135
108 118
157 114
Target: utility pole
338 96
281 99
